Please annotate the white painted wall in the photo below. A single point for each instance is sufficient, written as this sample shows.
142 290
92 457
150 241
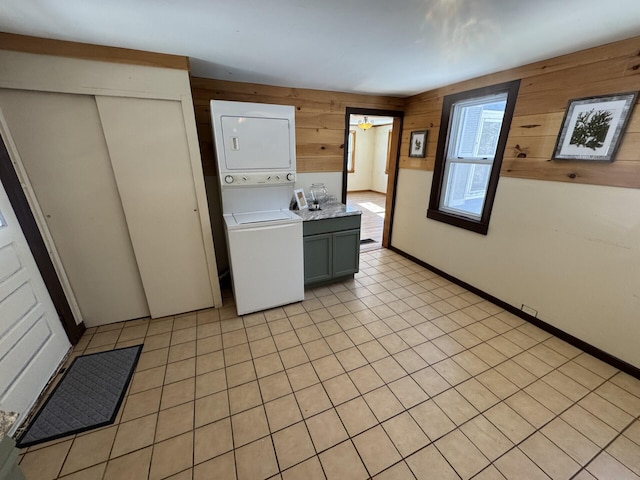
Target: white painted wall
371 159
360 179
378 177
572 252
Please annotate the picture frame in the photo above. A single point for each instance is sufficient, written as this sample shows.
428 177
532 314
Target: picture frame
418 144
301 200
592 127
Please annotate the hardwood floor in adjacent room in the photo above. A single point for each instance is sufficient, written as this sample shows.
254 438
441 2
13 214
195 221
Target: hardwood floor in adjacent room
372 206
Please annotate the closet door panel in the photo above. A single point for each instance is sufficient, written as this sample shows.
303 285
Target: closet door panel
60 141
150 157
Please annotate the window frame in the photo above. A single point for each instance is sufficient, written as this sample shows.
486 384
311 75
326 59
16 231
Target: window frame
434 210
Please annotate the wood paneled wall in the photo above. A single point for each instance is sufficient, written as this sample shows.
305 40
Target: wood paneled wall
545 91
320 118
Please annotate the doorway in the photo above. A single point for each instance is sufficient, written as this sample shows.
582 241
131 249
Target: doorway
372 139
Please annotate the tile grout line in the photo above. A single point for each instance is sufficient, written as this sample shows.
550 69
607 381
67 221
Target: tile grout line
519 389
386 384
604 449
226 382
537 378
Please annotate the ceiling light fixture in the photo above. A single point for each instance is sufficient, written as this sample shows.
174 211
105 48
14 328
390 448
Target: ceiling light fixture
365 124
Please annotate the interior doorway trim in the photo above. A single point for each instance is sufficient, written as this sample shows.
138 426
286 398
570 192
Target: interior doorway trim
392 180
20 204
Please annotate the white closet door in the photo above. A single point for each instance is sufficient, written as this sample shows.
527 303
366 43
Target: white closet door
149 152
60 141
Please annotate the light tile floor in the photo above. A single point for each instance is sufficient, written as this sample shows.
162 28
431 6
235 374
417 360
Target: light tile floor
372 205
397 374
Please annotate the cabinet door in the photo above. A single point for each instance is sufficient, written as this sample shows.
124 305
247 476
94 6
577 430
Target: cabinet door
346 249
318 257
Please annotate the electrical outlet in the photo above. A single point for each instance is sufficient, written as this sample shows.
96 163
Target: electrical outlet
529 310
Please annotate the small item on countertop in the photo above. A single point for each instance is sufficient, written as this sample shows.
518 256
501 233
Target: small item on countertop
318 192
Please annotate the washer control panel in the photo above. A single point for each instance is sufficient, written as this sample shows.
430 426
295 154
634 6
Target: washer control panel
258 179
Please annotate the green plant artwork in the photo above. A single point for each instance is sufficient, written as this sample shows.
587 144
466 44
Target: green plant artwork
591 129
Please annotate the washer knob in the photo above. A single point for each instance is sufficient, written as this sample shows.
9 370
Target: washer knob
290 176
228 179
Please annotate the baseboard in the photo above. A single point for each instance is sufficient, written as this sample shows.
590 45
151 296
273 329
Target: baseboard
576 342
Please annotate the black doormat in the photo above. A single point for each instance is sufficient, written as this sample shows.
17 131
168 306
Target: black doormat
367 240
88 396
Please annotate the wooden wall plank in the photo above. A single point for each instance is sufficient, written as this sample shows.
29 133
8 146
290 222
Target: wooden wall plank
60 48
320 117
557 99
422 121
542 147
545 91
417 163
593 173
320 164
537 124
572 77
328 101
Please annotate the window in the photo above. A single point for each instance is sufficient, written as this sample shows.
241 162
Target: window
469 155
351 154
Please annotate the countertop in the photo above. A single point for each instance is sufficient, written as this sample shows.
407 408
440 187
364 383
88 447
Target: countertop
330 210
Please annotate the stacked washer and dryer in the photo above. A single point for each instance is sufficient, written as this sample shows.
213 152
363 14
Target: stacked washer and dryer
256 155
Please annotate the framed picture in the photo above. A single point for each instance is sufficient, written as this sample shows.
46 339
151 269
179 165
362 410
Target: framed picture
593 127
301 200
418 144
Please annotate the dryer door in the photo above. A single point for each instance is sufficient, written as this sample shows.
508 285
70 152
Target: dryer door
252 143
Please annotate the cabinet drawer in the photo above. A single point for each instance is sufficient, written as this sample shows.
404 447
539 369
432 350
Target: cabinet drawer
328 225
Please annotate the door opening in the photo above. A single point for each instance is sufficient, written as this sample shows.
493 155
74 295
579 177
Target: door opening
372 141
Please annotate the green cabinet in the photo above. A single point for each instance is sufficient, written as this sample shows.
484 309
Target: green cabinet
331 249
318 252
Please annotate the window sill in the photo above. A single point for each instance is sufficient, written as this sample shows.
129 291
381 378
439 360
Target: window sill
458 221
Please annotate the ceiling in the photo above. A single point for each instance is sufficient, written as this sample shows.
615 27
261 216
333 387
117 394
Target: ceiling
363 46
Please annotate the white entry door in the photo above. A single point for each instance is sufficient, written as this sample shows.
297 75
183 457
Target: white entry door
32 339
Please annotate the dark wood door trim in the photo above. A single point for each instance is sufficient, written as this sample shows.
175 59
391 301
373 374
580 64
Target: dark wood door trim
390 203
29 227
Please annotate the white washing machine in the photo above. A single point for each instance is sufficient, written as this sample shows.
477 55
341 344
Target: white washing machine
255 150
